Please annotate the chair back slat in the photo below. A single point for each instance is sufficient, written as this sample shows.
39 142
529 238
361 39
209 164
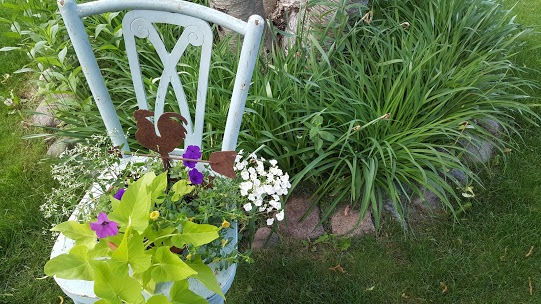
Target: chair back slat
139 23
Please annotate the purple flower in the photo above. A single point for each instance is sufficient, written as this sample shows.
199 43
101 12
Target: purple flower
196 177
192 152
104 227
119 194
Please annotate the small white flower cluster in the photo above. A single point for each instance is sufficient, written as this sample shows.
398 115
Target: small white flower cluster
76 172
262 187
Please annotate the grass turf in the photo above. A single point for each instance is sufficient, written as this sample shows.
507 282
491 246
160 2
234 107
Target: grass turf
23 247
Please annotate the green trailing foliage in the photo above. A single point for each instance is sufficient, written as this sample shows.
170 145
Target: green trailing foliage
320 107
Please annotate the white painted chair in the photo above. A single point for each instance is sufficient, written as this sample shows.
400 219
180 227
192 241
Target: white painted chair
139 23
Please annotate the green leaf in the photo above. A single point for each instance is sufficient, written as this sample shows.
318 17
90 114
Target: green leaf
158 186
9 48
181 188
134 206
158 299
180 294
152 234
197 234
132 251
13 35
169 267
80 233
111 285
73 266
62 54
326 136
205 275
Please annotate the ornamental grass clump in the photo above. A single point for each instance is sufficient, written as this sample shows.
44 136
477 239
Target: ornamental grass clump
429 74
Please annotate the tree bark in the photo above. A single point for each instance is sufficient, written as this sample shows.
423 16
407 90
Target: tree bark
284 14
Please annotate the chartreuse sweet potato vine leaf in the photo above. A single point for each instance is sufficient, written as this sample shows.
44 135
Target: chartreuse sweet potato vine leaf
115 285
132 251
197 234
134 206
159 184
205 275
180 189
169 267
80 233
180 294
75 265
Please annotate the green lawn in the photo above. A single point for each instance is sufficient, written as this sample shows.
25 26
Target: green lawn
23 247
481 259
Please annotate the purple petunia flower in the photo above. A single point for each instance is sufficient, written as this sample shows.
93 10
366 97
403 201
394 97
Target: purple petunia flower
192 152
119 194
196 177
104 227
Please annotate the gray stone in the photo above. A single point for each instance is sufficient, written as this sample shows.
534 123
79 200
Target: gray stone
261 236
46 117
344 223
459 175
294 210
481 150
492 126
59 146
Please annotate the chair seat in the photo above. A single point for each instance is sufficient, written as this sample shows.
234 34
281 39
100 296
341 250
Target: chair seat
82 292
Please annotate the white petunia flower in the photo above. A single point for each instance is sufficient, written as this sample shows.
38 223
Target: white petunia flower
247 207
273 162
245 175
258 202
270 221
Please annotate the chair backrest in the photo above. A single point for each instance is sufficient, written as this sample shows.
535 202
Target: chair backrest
140 22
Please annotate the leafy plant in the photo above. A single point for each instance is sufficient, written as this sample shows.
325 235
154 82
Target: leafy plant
138 244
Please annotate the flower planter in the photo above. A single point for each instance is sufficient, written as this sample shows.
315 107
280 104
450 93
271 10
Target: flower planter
82 292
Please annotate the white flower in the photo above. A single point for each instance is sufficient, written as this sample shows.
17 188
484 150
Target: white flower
275 204
284 178
246 185
275 197
247 207
280 215
256 182
270 189
245 175
270 221
240 166
262 208
258 202
251 197
9 102
251 170
273 162
260 168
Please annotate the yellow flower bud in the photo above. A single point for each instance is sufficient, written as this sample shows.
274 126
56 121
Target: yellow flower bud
224 242
189 257
226 224
154 215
